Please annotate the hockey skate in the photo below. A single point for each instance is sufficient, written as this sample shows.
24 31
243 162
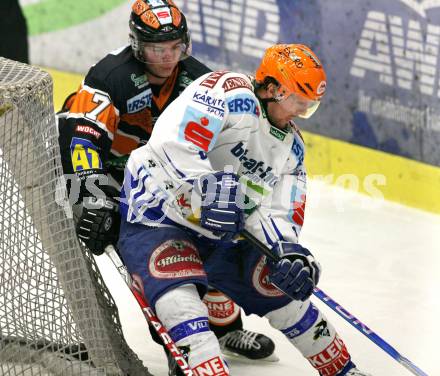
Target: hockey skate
355 372
248 345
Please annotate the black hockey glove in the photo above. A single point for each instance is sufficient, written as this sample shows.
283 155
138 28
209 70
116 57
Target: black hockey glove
98 222
297 273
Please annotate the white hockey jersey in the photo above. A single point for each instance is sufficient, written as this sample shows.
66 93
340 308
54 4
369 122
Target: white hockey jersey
218 124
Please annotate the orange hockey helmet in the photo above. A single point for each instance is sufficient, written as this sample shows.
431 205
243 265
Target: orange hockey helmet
298 72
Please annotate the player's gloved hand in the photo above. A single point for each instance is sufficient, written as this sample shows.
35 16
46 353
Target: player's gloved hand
220 211
297 273
98 222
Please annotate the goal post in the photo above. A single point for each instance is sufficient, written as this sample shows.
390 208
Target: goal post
57 316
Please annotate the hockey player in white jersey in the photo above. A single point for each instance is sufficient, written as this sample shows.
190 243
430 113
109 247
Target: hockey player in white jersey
223 157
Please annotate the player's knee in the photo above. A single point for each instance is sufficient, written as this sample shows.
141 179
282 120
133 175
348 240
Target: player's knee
222 310
186 318
288 315
302 323
183 305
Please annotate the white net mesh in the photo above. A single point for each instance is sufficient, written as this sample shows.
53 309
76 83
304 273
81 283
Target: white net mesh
56 315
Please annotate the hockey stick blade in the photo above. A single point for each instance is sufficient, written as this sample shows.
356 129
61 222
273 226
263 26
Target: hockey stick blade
352 320
148 312
73 351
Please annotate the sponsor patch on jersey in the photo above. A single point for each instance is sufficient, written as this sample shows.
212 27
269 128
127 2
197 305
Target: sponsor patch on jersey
84 155
243 104
140 101
212 79
176 259
184 80
199 128
214 366
222 310
139 81
257 171
332 359
87 129
183 203
260 280
232 83
214 106
277 133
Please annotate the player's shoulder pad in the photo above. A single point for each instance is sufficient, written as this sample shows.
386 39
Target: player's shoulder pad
225 81
194 68
239 95
113 70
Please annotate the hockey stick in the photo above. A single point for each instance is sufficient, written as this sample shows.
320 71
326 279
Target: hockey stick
365 330
148 312
73 351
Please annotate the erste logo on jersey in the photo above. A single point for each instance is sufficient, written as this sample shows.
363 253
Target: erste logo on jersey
176 259
140 101
243 104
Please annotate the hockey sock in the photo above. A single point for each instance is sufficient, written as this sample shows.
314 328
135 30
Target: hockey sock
313 335
224 315
186 319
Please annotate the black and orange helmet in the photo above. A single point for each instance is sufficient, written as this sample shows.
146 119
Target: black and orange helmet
155 21
297 70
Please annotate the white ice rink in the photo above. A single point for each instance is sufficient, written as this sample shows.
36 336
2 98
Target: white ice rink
381 262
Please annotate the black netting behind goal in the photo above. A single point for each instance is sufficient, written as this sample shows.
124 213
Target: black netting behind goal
56 315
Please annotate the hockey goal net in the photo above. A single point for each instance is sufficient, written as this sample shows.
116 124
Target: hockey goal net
56 315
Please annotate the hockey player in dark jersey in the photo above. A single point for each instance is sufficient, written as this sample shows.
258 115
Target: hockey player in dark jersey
112 113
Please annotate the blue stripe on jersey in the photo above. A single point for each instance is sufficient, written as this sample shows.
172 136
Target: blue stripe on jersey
180 173
280 236
189 328
306 322
266 235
